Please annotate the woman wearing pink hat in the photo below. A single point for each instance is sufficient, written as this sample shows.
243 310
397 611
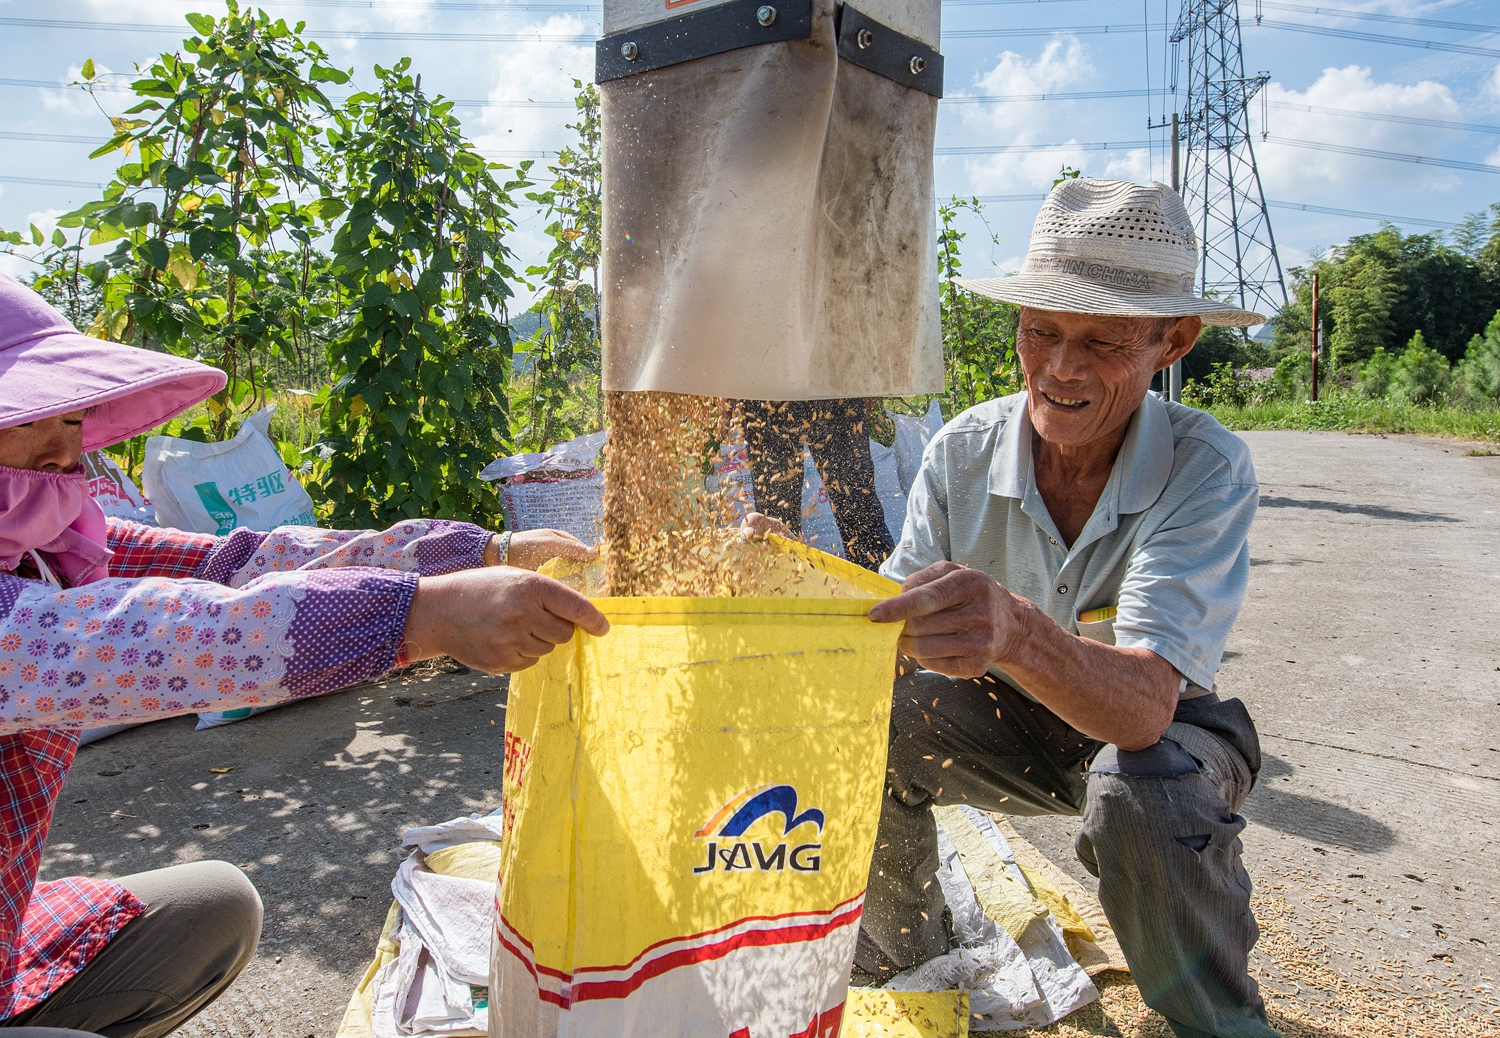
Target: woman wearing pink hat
103 622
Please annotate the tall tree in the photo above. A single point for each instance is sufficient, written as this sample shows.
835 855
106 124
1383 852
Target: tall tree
557 394
215 237
420 255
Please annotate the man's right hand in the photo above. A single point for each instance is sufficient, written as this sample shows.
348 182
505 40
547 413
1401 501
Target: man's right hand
498 620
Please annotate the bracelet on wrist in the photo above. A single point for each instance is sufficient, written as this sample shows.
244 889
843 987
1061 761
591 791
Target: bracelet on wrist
502 547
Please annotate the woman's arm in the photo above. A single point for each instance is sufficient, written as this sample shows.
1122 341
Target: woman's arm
134 650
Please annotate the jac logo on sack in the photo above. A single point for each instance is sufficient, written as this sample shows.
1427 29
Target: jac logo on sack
728 851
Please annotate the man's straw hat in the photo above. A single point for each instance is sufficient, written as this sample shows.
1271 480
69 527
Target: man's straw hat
1112 247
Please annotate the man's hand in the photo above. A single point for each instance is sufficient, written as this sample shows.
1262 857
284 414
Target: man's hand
496 620
532 549
958 620
757 526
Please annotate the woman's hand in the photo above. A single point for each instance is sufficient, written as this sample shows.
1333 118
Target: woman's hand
498 620
532 549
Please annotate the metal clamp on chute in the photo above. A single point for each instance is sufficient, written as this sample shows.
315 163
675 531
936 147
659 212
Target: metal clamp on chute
700 33
884 51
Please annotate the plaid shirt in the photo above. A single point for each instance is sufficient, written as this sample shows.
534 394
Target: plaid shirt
50 931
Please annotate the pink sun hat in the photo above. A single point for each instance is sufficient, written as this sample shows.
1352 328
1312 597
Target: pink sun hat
48 368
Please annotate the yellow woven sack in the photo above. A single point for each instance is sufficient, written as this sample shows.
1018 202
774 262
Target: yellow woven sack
690 810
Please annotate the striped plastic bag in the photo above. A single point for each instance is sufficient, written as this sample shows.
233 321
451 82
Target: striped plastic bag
690 810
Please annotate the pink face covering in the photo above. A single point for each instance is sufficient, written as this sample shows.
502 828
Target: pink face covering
52 512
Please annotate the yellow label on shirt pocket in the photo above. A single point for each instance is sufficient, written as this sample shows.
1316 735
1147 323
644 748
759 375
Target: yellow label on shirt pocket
1097 624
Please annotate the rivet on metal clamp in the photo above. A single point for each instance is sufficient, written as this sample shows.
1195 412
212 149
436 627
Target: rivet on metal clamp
629 51
864 39
766 15
917 65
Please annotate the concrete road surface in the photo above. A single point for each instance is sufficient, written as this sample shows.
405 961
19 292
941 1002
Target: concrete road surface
1368 652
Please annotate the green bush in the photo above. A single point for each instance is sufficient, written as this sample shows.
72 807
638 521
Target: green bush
1479 371
1224 387
1421 375
1376 374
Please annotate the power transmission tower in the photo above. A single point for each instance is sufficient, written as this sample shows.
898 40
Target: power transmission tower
1220 183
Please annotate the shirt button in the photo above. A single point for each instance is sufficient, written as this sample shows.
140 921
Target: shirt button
1062 589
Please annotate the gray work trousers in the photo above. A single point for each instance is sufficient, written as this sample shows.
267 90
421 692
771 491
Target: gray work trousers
1160 830
199 930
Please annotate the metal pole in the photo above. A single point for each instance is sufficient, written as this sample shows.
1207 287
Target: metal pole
1174 373
1315 339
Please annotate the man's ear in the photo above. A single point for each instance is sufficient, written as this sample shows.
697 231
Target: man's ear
1181 337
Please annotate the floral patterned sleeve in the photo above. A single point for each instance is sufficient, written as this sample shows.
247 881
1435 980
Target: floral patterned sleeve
264 618
427 547
134 650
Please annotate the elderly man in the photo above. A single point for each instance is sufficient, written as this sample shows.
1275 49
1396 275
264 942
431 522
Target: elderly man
1074 557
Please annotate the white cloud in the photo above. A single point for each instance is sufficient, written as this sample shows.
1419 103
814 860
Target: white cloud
1063 63
1300 173
1132 165
1492 85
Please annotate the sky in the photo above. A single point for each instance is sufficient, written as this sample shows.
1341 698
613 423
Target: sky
1409 101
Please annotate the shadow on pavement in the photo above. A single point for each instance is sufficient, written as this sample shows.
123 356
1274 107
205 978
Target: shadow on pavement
1373 511
1311 818
312 808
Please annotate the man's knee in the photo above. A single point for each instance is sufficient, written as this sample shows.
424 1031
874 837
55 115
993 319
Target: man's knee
1153 825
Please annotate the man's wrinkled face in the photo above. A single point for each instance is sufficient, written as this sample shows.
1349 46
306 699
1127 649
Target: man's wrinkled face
1086 374
46 445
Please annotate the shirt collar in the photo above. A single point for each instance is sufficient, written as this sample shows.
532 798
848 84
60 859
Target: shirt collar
1141 469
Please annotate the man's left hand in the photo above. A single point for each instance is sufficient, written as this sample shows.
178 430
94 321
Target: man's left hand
959 621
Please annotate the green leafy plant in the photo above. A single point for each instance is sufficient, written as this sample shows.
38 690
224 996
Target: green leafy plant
1224 387
557 393
422 365
979 334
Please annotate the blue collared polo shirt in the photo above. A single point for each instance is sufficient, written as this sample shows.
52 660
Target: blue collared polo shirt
1166 544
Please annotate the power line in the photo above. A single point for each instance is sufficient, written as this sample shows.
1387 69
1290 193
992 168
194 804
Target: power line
1408 120
1421 160
52 138
1003 149
1392 156
498 37
1302 207
1076 95
1362 215
1051 30
1344 12
44 182
334 34
1373 37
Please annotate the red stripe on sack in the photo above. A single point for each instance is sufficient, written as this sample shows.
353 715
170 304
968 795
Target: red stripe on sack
533 965
589 991
832 913
542 993
530 966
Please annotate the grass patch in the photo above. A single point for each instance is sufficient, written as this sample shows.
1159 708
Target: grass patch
1342 413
